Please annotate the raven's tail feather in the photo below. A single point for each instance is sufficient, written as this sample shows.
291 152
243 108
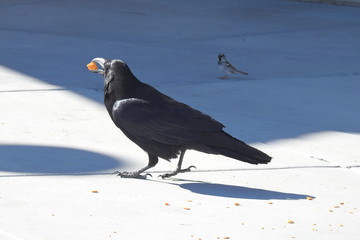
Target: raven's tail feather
229 146
246 154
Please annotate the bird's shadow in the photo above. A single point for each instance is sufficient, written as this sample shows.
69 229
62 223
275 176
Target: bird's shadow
232 191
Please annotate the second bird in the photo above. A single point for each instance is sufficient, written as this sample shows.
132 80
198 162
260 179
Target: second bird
226 67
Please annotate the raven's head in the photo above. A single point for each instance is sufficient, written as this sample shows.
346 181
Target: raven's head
97 65
102 66
112 70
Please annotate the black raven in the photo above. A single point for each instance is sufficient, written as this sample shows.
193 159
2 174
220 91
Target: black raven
160 125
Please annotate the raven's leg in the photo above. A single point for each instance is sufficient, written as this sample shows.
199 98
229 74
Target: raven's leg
153 160
178 169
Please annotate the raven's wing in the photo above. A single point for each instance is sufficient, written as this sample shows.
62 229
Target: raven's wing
170 123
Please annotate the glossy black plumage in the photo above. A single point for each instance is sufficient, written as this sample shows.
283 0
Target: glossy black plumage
163 127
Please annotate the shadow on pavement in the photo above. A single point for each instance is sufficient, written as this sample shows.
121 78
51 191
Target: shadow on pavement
51 160
231 191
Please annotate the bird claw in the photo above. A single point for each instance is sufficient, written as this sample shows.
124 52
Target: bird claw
187 169
132 175
171 174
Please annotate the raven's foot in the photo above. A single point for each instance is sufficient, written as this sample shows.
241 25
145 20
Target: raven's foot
167 175
132 174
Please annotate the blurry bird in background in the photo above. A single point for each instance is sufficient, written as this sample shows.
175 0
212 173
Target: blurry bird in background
227 68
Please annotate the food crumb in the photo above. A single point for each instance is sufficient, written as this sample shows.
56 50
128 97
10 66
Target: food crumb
237 204
167 204
186 208
92 66
309 198
270 203
94 191
226 237
291 221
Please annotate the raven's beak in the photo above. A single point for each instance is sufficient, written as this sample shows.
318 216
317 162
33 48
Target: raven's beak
94 65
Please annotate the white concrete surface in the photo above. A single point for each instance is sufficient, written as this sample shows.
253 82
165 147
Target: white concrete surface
300 104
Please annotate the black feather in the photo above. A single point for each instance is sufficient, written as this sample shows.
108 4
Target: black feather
163 127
